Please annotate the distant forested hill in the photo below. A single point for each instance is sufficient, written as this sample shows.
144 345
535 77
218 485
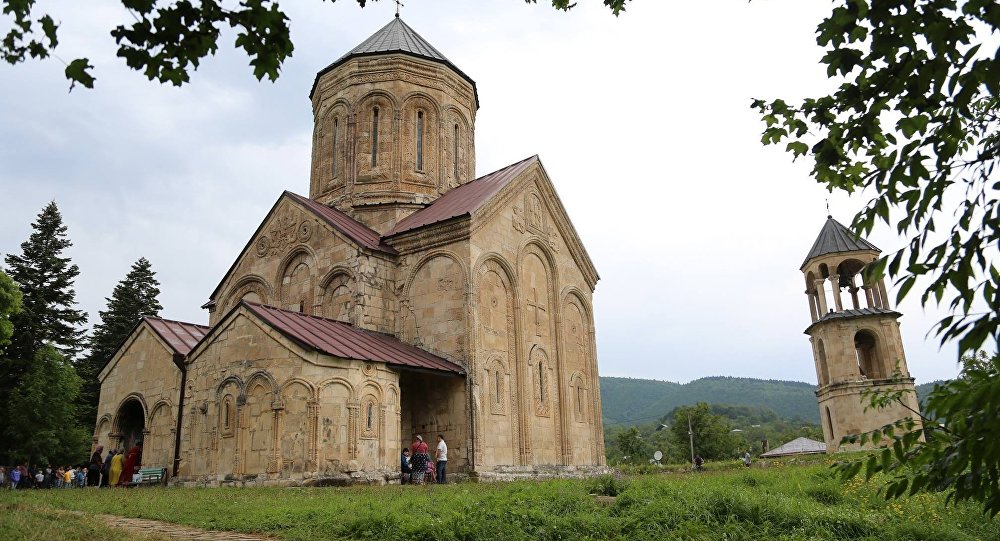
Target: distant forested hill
633 401
629 401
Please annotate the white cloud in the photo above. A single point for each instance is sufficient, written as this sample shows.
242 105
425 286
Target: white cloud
642 121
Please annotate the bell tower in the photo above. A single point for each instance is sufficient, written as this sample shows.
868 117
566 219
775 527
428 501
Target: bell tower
393 128
855 336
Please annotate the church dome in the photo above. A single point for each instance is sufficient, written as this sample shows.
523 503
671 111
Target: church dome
396 37
394 128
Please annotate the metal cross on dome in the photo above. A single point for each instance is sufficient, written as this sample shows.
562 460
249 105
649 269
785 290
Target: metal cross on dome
398 5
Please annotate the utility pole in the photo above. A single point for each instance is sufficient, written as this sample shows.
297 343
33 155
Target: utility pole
691 437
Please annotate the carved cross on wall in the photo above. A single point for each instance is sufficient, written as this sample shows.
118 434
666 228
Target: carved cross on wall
538 308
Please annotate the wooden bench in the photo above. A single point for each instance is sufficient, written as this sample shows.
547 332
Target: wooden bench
151 476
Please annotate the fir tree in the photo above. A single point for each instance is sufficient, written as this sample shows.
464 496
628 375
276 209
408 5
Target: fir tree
134 297
48 313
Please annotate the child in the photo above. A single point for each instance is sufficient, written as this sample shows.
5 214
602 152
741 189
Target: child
429 478
81 477
68 477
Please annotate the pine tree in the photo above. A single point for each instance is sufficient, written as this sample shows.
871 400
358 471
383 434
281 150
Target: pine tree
42 427
48 306
134 297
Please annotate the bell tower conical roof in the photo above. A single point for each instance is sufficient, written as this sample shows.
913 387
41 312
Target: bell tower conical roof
836 238
397 37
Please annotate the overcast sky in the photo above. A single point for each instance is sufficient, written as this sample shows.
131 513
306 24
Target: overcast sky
643 123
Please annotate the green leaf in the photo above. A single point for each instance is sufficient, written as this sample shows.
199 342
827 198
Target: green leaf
77 72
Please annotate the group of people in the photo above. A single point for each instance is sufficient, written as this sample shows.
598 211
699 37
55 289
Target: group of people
101 471
416 466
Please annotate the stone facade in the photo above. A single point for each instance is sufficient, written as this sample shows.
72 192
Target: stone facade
855 338
493 281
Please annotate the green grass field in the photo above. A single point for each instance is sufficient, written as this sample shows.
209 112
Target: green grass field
778 502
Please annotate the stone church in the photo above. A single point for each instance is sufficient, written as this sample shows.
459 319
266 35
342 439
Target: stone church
402 297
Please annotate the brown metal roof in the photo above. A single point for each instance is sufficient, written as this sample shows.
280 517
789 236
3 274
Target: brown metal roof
180 336
357 231
348 342
464 199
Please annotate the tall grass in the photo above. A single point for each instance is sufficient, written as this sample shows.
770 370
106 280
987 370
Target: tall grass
777 502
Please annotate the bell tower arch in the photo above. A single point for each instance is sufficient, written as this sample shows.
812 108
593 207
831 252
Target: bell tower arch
393 128
855 336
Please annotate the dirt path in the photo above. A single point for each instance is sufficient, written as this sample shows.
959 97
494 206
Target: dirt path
170 530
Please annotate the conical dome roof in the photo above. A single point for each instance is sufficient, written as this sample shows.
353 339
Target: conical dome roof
835 238
397 37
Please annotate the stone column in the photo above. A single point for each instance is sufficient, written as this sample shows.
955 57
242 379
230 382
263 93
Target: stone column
812 306
868 296
821 297
835 286
882 294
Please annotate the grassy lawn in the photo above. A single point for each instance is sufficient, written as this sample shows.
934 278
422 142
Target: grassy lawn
30 522
779 502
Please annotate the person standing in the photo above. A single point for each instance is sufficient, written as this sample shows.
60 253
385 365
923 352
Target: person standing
133 461
106 469
442 459
94 468
15 477
405 472
419 459
117 464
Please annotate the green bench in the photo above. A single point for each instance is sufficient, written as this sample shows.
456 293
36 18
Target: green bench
151 476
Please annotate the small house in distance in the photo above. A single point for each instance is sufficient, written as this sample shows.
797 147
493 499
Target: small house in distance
798 446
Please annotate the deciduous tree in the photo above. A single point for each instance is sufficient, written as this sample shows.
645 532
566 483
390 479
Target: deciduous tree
168 40
49 316
42 426
10 304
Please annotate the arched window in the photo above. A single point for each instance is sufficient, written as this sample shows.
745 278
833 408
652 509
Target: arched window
336 127
829 422
498 387
541 383
228 414
420 140
375 137
454 154
869 363
370 414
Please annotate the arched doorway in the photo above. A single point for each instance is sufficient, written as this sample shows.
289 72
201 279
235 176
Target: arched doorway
130 423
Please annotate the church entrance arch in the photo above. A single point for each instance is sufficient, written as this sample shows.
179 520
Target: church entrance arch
130 423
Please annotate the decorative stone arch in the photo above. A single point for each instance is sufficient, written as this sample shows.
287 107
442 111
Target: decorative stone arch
823 372
533 243
383 142
540 368
872 353
251 283
497 384
392 397
420 141
161 403
330 143
305 383
230 380
457 152
493 262
338 381
256 378
103 422
429 256
579 384
371 413
130 420
337 277
300 254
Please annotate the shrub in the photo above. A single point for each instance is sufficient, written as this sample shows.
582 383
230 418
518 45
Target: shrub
607 485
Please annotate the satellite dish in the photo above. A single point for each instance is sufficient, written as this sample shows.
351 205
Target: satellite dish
657 455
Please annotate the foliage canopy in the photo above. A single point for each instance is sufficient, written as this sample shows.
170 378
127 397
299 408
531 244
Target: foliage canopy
914 123
956 452
10 303
168 40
